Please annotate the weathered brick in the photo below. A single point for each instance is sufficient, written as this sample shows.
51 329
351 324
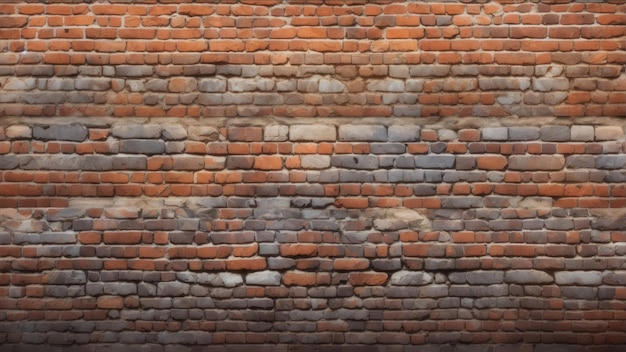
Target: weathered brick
140 146
607 133
580 133
369 133
315 133
495 133
400 133
524 277
555 133
73 277
362 162
76 133
150 131
538 162
315 161
435 161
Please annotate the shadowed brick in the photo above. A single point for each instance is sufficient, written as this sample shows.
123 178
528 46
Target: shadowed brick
75 133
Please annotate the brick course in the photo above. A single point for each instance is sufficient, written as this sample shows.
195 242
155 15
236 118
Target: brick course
319 175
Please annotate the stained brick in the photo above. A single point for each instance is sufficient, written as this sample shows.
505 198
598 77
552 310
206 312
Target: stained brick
362 133
539 162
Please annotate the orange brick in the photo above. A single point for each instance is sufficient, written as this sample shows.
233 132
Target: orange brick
491 162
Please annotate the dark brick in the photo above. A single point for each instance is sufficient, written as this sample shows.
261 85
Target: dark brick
75 133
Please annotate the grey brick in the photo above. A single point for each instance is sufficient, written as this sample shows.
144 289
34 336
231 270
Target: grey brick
188 162
280 263
66 214
523 133
178 337
415 85
142 146
386 264
435 161
584 278
580 162
524 277
405 162
504 84
50 162
314 133
315 161
386 85
610 161
461 202
429 70
264 278
50 97
550 84
66 277
97 163
579 133
58 237
174 132
126 131
578 292
92 83
75 133
120 288
447 225
133 71
20 84
400 133
559 224
130 162
371 133
495 134
9 162
276 133
555 133
410 278
388 148
361 162
172 289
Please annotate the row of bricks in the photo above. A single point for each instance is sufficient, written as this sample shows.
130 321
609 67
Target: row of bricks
326 340
54 105
30 63
249 78
344 202
260 38
373 9
264 91
183 155
499 51
330 169
309 256
330 272
49 109
323 296
468 230
313 133
185 219
229 16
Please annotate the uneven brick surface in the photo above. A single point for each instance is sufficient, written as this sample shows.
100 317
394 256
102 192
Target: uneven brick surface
327 175
323 58
361 235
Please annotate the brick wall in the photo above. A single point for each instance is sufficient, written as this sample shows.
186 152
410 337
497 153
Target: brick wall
312 175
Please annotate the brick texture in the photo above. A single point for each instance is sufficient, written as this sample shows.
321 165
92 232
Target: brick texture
329 175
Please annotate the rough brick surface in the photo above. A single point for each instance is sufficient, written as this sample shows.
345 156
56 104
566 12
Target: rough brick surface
349 226
327 175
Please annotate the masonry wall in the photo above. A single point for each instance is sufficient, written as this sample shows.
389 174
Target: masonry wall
305 176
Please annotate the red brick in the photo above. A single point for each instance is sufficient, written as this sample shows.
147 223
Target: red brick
367 279
110 302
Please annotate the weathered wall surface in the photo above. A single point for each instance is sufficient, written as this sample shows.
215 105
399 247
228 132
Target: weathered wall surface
298 176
